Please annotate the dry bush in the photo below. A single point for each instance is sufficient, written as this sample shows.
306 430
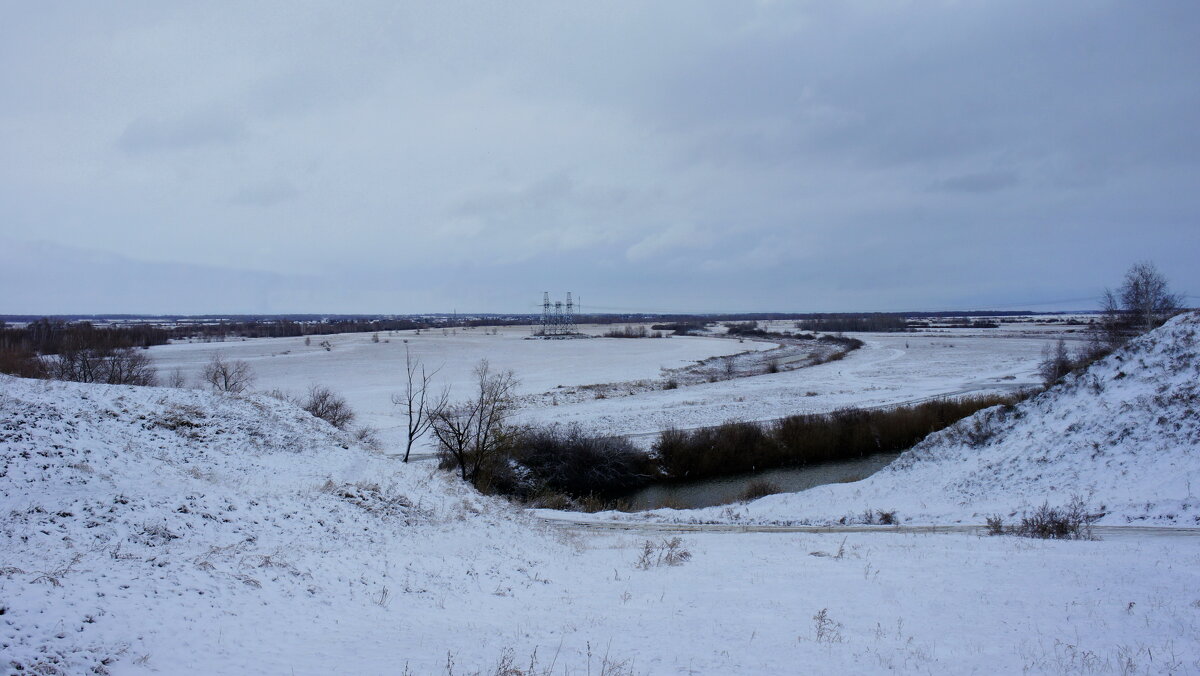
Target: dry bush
825 628
1056 362
1072 521
759 488
740 447
573 462
323 403
21 363
665 553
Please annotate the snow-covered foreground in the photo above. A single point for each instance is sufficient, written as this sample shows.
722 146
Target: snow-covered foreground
151 530
1124 436
889 369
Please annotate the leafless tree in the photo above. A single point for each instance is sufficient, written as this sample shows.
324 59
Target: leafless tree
1143 301
123 366
323 403
473 433
227 376
420 405
129 366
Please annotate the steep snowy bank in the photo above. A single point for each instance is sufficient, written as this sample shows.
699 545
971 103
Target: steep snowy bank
167 523
1124 436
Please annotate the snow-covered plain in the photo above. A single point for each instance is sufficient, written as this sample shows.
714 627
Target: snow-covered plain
367 373
151 530
889 369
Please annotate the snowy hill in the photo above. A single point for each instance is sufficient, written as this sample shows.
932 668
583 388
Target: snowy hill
1124 436
155 527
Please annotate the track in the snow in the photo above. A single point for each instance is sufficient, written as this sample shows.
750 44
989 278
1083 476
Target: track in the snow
1102 532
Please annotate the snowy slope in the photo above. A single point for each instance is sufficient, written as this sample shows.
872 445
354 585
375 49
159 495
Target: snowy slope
1124 436
165 525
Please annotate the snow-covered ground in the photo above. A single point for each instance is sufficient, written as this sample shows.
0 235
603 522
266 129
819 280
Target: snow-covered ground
164 531
1123 436
889 369
152 530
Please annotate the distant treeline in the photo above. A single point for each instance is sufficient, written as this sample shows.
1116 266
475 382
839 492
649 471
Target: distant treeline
52 336
877 322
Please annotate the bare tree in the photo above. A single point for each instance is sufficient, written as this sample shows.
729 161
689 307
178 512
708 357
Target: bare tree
1143 301
128 366
473 433
418 403
227 376
323 403
122 366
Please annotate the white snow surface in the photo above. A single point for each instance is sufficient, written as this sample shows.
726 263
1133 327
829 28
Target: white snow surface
889 369
150 530
1124 436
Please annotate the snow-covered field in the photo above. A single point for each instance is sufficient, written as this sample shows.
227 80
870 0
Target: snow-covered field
891 368
152 530
1123 436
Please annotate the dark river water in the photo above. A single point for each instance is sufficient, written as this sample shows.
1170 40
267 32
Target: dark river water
725 490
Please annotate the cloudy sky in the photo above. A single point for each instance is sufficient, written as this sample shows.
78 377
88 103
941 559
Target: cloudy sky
690 156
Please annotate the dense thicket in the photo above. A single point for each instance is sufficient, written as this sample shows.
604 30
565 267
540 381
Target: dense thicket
738 447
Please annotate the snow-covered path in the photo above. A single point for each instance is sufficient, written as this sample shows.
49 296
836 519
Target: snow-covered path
583 524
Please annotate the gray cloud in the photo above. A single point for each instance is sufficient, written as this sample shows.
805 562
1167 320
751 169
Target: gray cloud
265 194
194 129
810 155
984 181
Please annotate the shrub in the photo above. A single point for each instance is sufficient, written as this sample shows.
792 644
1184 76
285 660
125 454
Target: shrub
759 488
21 363
666 553
995 525
1070 522
573 462
1056 362
729 448
746 329
324 404
629 332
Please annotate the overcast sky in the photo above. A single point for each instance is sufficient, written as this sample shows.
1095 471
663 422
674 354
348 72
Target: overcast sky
692 156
